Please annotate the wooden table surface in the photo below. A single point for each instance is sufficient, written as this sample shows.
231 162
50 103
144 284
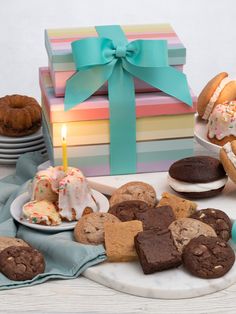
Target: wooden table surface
84 296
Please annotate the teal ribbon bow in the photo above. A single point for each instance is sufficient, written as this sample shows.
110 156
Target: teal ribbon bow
111 58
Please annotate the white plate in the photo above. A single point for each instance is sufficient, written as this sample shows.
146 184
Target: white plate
16 212
15 156
14 150
8 161
200 133
21 145
13 161
28 138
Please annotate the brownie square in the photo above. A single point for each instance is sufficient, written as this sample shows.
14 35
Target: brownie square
156 251
119 240
158 218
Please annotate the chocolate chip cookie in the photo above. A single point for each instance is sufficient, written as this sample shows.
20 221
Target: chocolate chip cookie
217 219
8 241
208 257
185 229
135 190
21 263
127 210
90 228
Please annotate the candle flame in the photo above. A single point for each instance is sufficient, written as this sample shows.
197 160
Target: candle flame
63 132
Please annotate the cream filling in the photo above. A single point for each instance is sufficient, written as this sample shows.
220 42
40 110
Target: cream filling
214 97
230 154
181 186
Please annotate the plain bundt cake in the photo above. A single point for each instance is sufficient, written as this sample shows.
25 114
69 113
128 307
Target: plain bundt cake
19 115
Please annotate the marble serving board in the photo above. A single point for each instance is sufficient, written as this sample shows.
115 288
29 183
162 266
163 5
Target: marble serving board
169 284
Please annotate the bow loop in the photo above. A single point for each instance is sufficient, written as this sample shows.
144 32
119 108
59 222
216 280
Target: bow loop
148 53
89 52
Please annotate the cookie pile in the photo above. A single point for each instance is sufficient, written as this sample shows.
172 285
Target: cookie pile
161 235
18 260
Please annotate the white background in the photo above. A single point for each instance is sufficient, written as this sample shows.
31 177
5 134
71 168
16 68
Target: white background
206 27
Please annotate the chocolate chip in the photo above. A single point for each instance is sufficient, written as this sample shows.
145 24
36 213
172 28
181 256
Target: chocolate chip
222 244
199 250
218 267
225 235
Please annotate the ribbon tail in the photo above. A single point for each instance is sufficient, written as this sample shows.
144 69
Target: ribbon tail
167 79
122 121
85 83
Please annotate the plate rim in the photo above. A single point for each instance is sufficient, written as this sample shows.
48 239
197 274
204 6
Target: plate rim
67 227
19 150
7 139
22 144
204 141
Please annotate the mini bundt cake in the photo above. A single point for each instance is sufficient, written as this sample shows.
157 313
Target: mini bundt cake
19 115
68 190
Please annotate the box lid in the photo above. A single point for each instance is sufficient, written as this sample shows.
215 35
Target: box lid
58 42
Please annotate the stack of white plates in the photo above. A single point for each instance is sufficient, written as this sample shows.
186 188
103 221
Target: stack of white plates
11 148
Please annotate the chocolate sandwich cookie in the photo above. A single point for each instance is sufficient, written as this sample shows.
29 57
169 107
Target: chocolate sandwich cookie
197 177
21 263
185 229
127 210
208 257
217 219
158 218
156 251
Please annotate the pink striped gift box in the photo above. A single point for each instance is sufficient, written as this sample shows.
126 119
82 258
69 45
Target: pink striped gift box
61 65
97 107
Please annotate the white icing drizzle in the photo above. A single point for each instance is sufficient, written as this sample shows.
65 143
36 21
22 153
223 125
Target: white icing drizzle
74 194
70 189
230 154
181 186
214 97
222 121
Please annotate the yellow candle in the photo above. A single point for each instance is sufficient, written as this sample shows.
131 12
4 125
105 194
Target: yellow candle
64 147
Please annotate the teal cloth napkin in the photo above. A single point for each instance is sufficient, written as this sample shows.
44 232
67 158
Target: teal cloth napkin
65 258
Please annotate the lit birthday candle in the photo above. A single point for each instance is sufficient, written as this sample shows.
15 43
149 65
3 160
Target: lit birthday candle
64 147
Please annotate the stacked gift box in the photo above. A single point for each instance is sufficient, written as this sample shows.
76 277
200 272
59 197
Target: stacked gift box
164 124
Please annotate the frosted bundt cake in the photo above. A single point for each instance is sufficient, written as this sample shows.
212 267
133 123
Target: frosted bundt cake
70 191
222 124
19 115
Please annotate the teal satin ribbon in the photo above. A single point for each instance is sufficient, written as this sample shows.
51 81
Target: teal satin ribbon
111 58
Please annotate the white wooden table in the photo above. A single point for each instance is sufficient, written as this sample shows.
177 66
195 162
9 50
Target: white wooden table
84 296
